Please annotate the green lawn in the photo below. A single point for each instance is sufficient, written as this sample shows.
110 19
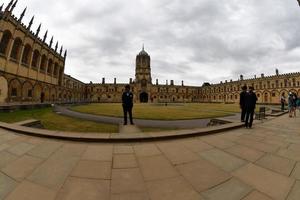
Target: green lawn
53 121
162 112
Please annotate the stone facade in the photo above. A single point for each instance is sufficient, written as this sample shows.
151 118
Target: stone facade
32 71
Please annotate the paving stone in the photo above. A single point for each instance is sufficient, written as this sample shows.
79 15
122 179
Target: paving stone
123 149
223 160
7 185
196 145
275 185
22 167
237 189
6 158
156 167
92 169
124 161
251 137
277 164
202 174
268 148
295 192
79 189
4 146
72 149
217 142
171 189
45 150
127 181
245 152
142 150
296 171
61 164
177 153
280 143
30 191
290 153
255 195
20 149
131 196
99 153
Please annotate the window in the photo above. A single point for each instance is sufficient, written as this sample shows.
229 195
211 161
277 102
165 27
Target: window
43 63
50 66
14 92
4 42
26 54
35 59
15 52
29 93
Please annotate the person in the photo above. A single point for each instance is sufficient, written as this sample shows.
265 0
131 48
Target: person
242 103
294 104
250 103
127 104
282 101
298 103
290 104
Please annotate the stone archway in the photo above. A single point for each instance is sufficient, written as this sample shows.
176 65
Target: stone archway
144 97
3 89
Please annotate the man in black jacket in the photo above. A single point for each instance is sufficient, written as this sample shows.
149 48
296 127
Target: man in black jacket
242 102
127 103
250 102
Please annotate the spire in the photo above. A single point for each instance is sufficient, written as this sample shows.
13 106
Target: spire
23 14
30 23
13 6
45 36
66 52
9 5
56 46
1 7
143 47
61 50
38 30
51 42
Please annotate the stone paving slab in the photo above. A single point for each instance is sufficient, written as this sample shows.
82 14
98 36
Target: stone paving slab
124 161
255 195
275 185
7 185
295 192
92 169
246 153
20 149
142 150
30 191
233 189
131 196
296 172
6 158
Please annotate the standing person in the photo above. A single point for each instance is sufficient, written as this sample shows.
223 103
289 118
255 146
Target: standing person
242 102
250 102
294 104
290 104
298 103
282 101
127 103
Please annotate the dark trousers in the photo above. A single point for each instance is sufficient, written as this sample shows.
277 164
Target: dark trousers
282 106
249 117
243 114
127 109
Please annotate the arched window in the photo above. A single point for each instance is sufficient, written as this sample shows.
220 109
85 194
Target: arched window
35 59
26 54
43 63
5 42
50 66
16 49
55 69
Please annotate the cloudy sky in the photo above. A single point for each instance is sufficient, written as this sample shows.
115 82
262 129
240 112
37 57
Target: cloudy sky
192 40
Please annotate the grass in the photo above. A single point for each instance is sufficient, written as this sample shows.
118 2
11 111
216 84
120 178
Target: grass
162 112
53 121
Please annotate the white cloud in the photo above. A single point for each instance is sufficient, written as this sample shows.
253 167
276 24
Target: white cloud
192 40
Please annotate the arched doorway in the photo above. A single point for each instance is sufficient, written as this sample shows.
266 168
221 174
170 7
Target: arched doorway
144 97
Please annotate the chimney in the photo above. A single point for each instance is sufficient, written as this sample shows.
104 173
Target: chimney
115 80
277 72
241 77
103 80
130 81
182 83
167 82
172 82
255 76
156 81
263 75
225 81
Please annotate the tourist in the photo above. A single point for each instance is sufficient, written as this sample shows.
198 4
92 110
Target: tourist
127 103
298 103
295 98
290 104
242 103
282 101
250 102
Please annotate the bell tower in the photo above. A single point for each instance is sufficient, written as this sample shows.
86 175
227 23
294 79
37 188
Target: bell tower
143 69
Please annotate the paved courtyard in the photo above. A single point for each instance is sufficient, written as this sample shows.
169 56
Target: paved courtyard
262 163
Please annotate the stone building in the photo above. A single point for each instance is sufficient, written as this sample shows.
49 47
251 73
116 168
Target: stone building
32 71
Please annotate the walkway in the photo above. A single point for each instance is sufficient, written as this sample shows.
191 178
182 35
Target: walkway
183 124
262 163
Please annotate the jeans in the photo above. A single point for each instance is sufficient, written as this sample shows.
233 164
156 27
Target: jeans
127 109
249 117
